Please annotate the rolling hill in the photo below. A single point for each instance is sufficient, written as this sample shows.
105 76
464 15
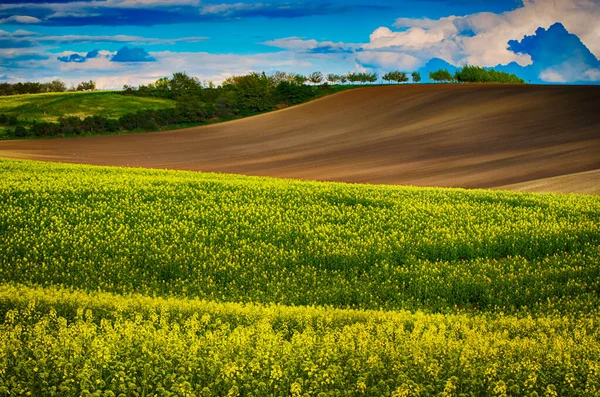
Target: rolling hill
50 106
426 135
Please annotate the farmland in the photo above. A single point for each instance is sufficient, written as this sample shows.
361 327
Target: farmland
155 281
470 136
49 107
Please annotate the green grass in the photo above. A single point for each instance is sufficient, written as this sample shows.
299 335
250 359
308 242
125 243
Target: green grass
49 107
158 282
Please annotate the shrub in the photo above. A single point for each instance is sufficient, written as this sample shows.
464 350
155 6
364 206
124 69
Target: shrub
44 129
20 131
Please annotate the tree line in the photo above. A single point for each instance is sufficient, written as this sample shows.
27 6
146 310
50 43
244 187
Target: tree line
34 87
475 74
195 102
238 96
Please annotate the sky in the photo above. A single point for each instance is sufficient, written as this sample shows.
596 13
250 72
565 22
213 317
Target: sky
117 42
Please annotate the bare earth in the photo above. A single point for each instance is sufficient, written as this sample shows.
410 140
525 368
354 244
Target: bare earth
581 182
424 135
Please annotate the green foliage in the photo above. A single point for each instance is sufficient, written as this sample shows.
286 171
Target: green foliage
442 75
416 77
334 78
315 78
32 88
396 76
20 131
477 74
86 86
180 100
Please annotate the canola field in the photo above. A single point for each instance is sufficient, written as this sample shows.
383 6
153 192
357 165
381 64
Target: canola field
148 282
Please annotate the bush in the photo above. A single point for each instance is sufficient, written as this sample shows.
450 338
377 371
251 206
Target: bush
292 94
44 129
70 125
12 120
20 131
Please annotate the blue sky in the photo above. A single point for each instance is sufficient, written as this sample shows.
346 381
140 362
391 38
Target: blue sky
118 42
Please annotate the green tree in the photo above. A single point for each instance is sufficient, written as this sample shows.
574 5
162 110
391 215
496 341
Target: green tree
315 78
181 83
416 77
333 78
441 75
86 86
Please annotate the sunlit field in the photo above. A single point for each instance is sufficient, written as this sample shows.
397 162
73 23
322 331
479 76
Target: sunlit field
154 282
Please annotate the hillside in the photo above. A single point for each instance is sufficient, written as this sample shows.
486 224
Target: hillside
49 107
581 182
426 135
207 284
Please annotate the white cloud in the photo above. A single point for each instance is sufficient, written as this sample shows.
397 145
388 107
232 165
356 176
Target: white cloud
592 75
224 9
388 60
20 19
552 76
482 38
303 45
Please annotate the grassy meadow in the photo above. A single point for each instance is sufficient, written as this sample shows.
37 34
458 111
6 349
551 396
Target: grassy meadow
50 107
151 282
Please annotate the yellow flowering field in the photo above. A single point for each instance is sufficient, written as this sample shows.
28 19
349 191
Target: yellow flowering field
138 282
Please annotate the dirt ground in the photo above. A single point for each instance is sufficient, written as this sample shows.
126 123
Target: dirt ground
425 135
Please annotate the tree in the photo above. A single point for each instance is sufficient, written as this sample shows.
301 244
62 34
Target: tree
397 76
352 77
181 84
343 79
86 86
416 77
477 74
371 77
333 78
442 75
58 86
389 77
315 78
300 79
401 77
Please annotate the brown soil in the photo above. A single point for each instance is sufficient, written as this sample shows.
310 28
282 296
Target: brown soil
425 135
581 182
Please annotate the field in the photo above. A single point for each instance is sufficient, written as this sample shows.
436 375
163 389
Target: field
49 107
471 136
147 282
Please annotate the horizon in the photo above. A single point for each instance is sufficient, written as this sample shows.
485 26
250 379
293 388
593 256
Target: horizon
118 42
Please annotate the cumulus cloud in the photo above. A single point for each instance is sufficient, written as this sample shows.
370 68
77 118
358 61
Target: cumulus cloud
482 38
